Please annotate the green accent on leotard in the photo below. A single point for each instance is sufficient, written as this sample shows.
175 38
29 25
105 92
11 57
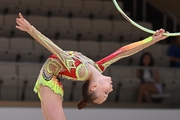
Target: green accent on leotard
53 84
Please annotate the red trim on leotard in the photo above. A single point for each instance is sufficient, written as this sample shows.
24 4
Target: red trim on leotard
72 72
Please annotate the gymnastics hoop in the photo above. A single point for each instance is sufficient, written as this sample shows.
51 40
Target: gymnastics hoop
139 26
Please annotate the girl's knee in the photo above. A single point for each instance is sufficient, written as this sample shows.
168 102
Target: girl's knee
146 92
142 87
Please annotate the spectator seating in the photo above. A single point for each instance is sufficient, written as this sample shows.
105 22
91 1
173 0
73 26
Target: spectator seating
92 27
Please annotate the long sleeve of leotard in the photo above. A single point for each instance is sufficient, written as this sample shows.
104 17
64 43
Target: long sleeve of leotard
64 58
123 52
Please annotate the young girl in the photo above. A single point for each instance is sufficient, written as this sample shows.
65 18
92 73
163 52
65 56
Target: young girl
74 65
150 81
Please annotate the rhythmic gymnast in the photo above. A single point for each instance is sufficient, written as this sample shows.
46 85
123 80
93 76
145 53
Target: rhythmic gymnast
75 66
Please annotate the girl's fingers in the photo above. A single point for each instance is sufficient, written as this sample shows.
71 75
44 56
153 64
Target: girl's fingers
18 22
162 29
20 15
160 32
157 32
18 27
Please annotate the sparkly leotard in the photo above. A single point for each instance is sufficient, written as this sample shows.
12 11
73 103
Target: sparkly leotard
73 65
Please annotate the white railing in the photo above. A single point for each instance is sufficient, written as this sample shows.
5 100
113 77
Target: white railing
143 10
134 9
168 14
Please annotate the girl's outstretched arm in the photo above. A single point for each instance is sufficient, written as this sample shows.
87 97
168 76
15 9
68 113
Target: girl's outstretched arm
24 25
130 49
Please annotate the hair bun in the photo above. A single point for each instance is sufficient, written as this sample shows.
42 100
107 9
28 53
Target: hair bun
82 104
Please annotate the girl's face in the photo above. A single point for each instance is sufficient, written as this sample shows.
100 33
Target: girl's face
103 88
146 60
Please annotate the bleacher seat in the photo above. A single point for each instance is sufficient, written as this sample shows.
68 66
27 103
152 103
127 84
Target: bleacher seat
89 48
106 49
177 71
158 55
78 91
101 25
124 29
105 35
49 32
71 9
172 88
10 19
53 8
6 53
162 61
130 83
60 22
67 44
5 45
18 33
67 84
6 2
27 70
50 4
93 35
2 8
113 96
14 9
28 74
120 25
146 24
93 8
39 47
81 23
129 89
24 48
122 72
93 4
30 3
38 21
38 10
8 81
107 72
1 20
141 33
69 4
43 52
67 33
110 11
156 50
20 43
109 5
101 35
165 48
166 74
131 36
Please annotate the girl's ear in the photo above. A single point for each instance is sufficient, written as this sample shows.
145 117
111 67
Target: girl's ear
93 87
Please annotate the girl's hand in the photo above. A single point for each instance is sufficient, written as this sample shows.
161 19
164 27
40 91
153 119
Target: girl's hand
23 24
159 35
